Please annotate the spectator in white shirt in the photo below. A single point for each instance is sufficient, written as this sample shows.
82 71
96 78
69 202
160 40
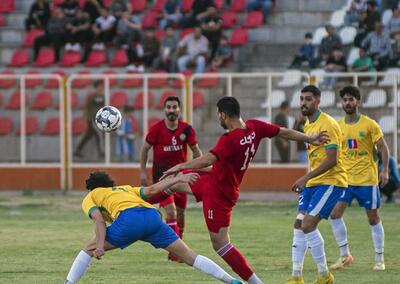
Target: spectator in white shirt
104 29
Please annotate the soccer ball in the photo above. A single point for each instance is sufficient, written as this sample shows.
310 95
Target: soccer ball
108 118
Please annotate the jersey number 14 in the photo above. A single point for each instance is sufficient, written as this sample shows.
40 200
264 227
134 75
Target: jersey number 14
248 156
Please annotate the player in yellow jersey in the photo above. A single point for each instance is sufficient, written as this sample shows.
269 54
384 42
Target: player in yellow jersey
319 189
133 219
362 136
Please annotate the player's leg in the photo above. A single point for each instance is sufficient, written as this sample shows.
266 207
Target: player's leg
180 203
170 219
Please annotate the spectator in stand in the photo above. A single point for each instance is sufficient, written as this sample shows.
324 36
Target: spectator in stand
128 29
281 144
212 30
367 24
223 54
70 8
103 29
353 15
364 63
93 8
144 53
328 43
171 13
394 179
196 51
264 5
125 137
118 7
305 54
200 10
78 31
393 26
301 146
379 46
54 34
335 63
39 15
166 58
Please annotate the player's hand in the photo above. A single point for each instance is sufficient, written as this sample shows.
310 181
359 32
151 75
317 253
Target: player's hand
319 139
98 253
189 178
299 184
172 171
143 179
383 178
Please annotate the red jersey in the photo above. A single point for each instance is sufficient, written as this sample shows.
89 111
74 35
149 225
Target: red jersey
234 151
169 146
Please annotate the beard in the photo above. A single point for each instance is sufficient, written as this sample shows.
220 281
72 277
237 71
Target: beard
223 125
172 116
305 111
349 110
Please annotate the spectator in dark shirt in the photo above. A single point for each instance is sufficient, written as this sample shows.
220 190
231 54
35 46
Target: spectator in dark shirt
169 44
39 15
332 40
223 54
264 5
78 31
70 8
367 24
118 7
171 13
283 145
200 10
128 29
93 8
394 179
353 15
335 63
305 54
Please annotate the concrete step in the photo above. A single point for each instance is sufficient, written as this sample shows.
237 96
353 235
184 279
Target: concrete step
299 19
310 5
280 34
23 5
11 35
16 20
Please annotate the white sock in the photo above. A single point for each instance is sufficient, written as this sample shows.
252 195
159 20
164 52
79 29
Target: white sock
299 249
378 237
254 279
340 232
209 267
316 245
79 267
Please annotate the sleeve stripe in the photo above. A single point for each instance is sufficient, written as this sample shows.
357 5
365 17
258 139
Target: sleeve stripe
91 210
142 195
331 146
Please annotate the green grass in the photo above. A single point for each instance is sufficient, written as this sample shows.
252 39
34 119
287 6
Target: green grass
41 235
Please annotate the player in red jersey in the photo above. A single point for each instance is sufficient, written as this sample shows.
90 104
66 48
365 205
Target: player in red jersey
219 188
169 139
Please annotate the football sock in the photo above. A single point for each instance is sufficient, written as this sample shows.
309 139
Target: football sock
254 279
181 226
316 244
171 222
209 267
299 249
158 197
340 232
236 261
378 237
79 267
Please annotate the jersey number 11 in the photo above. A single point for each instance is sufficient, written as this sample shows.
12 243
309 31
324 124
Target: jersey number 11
248 156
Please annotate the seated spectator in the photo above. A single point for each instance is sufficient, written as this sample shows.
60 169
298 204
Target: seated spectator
364 63
367 24
118 7
353 15
379 47
394 179
55 34
335 63
171 13
128 30
264 5
78 31
39 15
166 58
93 8
144 52
200 10
305 54
393 26
103 29
212 30
223 54
70 8
332 40
196 51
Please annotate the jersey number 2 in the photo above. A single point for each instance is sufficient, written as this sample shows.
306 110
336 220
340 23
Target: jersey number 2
248 156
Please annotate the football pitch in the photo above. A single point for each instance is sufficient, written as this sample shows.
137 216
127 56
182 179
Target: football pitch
41 235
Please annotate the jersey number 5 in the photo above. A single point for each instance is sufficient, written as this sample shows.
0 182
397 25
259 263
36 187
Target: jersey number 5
248 156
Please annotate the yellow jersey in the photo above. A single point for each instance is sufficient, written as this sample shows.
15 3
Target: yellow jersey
112 200
360 155
317 154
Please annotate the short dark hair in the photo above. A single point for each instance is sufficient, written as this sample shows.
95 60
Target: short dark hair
284 105
128 108
174 99
99 179
308 35
312 89
230 106
97 83
352 91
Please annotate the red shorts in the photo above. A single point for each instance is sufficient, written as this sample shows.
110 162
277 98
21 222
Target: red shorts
217 213
180 200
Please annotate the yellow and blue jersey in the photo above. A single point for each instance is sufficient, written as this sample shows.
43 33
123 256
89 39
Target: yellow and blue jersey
317 154
360 156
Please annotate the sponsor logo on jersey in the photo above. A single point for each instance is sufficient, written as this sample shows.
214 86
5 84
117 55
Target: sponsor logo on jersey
352 143
182 137
172 148
362 134
248 139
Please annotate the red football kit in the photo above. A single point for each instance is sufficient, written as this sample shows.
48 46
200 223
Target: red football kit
170 149
219 189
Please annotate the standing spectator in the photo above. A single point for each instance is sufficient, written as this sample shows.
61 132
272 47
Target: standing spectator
104 29
54 34
364 63
93 8
126 137
196 51
367 24
223 54
353 15
305 53
394 179
301 146
171 13
118 7
169 44
379 46
264 5
335 63
70 8
79 31
93 104
200 10
39 15
328 43
283 146
128 30
212 30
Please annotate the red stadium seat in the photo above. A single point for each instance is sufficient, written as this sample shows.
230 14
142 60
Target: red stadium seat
19 58
132 82
74 100
135 127
82 82
1 99
153 120
120 58
6 125
158 6
239 37
52 126
238 5
198 99
119 99
113 80
159 34
45 58
185 32
7 6
96 58
42 101
70 59
31 36
177 83
54 83
254 19
34 81
219 4
14 102
229 19
31 126
149 20
207 82
2 21
6 83
164 96
138 103
158 82
79 125
58 2
186 5
138 5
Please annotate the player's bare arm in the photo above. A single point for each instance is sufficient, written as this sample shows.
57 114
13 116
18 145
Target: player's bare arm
198 163
100 231
316 140
196 151
143 162
328 163
384 153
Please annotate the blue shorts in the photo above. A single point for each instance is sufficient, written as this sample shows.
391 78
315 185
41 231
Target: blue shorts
140 223
367 196
319 200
